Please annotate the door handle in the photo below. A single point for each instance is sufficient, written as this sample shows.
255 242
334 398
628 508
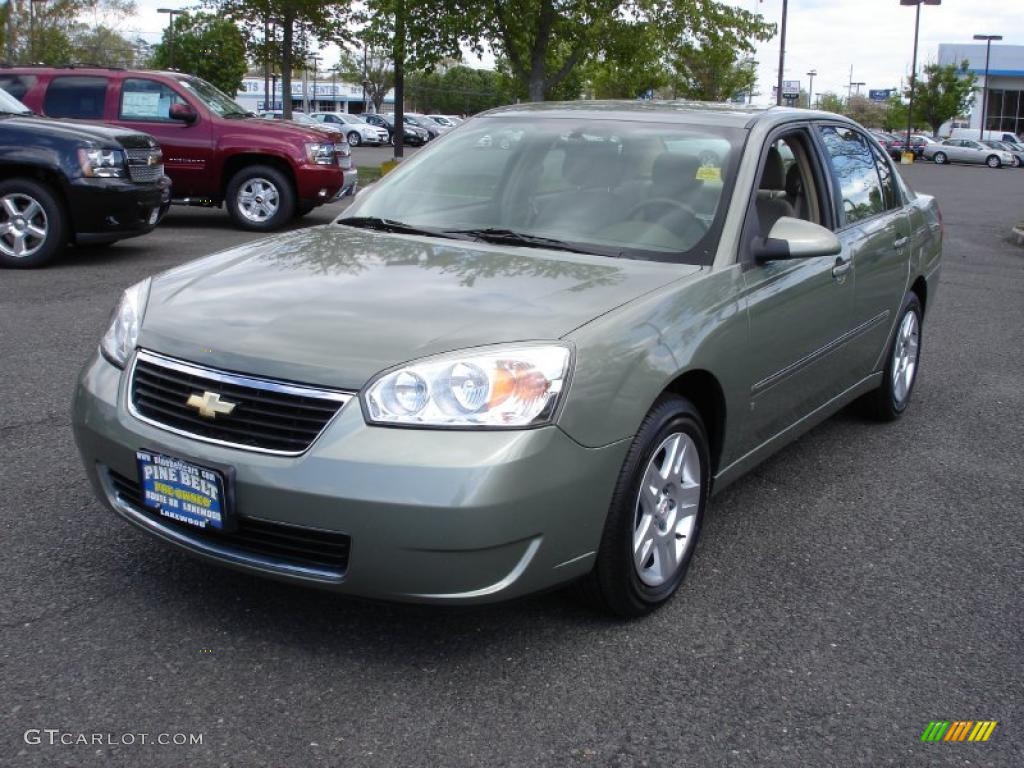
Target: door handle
901 243
842 267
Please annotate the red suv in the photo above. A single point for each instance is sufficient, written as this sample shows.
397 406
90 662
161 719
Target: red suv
215 152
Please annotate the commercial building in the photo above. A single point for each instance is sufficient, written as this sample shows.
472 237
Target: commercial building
1005 84
323 95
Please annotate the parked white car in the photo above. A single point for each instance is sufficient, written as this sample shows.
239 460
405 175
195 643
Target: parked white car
967 151
446 120
356 128
974 134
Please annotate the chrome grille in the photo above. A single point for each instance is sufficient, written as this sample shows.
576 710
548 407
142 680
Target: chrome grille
279 542
268 416
145 165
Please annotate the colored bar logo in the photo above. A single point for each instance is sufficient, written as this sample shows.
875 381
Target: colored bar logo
958 730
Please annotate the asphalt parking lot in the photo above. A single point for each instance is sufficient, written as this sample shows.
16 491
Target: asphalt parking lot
863 582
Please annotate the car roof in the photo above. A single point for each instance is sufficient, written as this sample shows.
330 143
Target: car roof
694 112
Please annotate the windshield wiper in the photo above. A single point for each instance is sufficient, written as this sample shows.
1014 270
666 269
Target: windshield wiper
390 225
502 236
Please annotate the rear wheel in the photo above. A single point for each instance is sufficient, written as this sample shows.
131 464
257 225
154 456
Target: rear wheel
32 225
890 400
260 198
940 158
655 515
354 138
993 162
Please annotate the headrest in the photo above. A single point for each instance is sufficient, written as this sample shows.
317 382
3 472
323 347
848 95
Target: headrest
794 181
591 164
774 176
674 173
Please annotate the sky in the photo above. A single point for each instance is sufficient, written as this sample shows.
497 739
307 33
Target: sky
876 37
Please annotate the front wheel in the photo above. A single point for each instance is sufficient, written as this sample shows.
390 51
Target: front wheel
940 158
32 225
993 162
354 139
890 400
260 198
655 515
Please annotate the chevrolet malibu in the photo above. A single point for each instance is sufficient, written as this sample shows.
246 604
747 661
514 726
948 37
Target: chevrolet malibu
506 369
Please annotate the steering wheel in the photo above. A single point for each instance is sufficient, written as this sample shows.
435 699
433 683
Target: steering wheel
663 201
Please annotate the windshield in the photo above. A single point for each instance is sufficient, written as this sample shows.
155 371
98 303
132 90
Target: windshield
301 117
10 105
214 99
635 189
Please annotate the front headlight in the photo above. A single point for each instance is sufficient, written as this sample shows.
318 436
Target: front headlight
119 341
103 163
320 154
503 387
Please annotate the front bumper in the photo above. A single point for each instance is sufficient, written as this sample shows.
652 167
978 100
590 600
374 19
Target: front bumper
432 516
106 210
318 184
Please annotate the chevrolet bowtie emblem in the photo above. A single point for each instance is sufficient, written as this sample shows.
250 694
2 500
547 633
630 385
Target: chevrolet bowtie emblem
209 405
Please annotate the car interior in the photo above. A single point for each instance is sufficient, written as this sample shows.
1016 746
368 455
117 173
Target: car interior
787 186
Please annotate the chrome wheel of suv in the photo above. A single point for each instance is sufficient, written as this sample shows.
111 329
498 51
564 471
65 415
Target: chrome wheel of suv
258 200
23 225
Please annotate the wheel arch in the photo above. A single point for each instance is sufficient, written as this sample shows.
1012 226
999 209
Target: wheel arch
920 288
53 181
237 162
703 389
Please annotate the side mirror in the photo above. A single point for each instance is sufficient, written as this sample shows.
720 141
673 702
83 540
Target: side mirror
184 112
796 239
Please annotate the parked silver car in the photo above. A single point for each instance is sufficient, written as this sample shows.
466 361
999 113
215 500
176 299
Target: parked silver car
967 151
356 129
1016 150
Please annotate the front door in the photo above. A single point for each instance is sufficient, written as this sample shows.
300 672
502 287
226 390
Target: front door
145 104
799 310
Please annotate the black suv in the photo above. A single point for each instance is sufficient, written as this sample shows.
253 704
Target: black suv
64 182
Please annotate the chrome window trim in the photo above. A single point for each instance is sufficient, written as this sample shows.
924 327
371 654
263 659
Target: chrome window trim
269 385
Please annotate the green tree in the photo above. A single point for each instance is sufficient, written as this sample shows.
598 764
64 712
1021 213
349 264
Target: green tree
298 22
373 66
942 93
864 111
830 102
545 41
204 45
458 90
895 117
631 66
712 72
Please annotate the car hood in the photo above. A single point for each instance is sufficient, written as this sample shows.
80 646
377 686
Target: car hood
289 131
334 305
102 135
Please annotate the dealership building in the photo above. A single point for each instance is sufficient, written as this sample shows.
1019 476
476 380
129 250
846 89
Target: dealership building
1005 84
322 95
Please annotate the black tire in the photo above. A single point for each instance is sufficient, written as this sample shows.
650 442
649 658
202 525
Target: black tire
884 403
940 158
47 215
993 162
286 203
354 139
614 584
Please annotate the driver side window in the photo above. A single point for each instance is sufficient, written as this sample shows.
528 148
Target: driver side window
787 185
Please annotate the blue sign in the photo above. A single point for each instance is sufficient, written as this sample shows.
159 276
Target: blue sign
881 95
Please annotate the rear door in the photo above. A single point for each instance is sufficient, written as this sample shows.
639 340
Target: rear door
874 223
144 103
79 97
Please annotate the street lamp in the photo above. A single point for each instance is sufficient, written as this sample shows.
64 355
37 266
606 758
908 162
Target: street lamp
782 51
171 13
810 89
984 91
857 86
913 67
316 72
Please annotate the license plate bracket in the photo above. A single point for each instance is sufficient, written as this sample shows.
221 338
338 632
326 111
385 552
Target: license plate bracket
185 492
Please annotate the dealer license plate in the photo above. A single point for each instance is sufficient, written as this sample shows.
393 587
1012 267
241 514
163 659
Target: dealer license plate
182 491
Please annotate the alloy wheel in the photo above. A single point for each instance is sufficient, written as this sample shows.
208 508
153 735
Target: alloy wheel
993 162
666 509
354 139
904 363
23 225
258 200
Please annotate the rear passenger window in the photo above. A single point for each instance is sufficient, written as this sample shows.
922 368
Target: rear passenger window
76 96
890 190
147 100
854 166
17 85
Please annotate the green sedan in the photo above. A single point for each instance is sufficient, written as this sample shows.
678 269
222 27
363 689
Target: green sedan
514 365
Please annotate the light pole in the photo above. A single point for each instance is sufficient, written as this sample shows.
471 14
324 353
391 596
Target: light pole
857 86
171 13
984 91
810 89
782 51
316 70
913 66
